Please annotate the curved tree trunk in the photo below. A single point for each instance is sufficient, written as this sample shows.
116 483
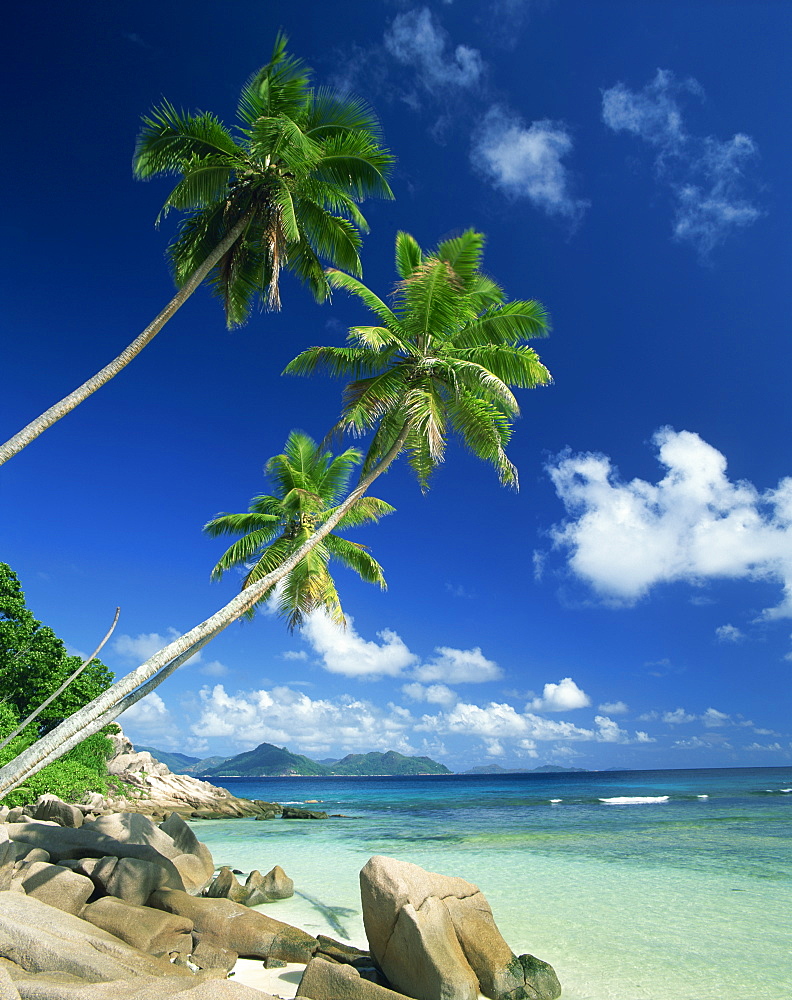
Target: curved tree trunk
127 691
29 433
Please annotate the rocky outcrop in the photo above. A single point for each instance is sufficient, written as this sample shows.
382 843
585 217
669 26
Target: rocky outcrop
223 924
435 938
151 788
258 888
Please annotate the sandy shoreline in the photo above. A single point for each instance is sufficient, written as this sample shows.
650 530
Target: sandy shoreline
281 982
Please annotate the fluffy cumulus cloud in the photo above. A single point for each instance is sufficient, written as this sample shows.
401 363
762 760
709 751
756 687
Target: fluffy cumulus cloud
343 651
416 39
527 161
561 697
694 525
291 718
707 176
729 633
614 708
458 666
149 720
500 721
435 694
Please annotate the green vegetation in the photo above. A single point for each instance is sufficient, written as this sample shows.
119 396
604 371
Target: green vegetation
33 664
386 763
309 484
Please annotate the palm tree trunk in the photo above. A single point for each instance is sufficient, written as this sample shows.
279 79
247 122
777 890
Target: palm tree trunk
29 433
127 691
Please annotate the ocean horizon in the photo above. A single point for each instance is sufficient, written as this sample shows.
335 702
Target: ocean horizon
670 884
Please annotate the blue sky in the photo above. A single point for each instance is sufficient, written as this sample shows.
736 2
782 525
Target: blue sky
630 606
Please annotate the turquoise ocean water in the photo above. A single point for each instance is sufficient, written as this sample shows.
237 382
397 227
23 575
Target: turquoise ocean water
634 885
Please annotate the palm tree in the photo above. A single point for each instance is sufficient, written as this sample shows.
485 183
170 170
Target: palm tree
309 485
443 358
280 192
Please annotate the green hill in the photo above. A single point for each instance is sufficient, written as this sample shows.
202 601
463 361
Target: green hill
385 763
266 761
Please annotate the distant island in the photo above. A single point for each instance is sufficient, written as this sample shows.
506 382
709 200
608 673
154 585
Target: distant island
268 761
544 769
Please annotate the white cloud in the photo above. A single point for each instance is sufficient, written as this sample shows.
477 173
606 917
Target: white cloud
678 717
729 633
527 748
143 646
765 747
495 748
526 162
561 697
499 721
694 525
149 720
458 666
613 708
609 731
705 175
643 737
415 39
294 654
343 651
712 718
286 717
437 694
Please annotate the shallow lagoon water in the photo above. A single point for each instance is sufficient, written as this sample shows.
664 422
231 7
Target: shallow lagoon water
639 885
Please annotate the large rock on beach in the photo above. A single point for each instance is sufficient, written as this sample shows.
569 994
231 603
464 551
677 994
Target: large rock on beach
152 931
55 886
130 879
435 938
40 938
63 843
231 926
50 807
26 987
327 980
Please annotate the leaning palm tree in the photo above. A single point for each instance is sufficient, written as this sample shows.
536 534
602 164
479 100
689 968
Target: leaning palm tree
309 484
281 191
442 359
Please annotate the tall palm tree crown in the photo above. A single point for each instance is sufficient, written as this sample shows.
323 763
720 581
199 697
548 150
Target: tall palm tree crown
309 483
442 360
293 170
282 192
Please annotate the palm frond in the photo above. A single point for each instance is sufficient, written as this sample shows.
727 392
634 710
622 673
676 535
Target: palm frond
356 557
519 366
485 431
463 254
332 112
373 302
408 254
171 138
338 362
243 551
